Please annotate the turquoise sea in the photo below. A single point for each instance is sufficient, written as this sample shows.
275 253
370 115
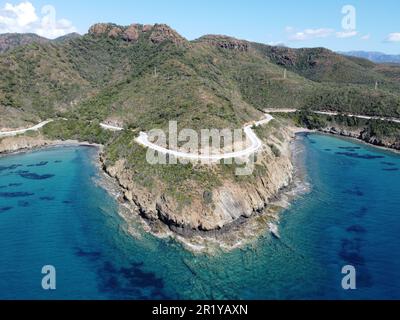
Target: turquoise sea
52 212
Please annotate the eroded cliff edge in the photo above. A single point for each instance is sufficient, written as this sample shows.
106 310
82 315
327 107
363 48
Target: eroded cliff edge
23 142
193 204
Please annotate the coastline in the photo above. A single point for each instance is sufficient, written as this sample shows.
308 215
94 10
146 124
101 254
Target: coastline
239 233
354 139
50 144
298 130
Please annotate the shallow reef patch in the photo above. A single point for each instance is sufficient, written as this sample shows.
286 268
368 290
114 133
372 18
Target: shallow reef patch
15 194
35 176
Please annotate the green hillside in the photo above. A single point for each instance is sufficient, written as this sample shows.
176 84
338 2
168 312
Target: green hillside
143 76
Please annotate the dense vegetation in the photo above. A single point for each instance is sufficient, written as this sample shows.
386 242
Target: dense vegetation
77 130
159 76
9 41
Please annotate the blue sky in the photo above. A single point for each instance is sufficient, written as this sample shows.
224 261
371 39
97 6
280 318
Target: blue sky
299 23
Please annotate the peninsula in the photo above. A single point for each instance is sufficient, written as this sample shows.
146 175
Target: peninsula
115 84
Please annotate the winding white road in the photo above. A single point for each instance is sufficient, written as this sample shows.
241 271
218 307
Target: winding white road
110 127
256 145
16 132
42 124
329 113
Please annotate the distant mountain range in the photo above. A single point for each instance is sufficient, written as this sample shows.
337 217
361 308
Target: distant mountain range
377 57
9 41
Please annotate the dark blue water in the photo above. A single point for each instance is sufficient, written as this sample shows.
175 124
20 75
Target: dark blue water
53 213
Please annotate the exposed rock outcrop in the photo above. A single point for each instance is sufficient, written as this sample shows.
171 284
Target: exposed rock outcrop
115 32
225 42
156 34
13 144
147 28
131 34
100 29
290 57
161 33
363 135
24 143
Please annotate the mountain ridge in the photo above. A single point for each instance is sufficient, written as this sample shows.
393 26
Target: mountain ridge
139 74
10 41
374 56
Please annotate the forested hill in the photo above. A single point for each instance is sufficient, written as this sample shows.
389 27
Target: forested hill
145 75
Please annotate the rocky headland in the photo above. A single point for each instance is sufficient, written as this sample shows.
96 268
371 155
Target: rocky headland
21 143
221 209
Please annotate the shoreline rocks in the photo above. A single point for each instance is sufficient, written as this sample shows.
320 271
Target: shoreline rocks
362 135
22 143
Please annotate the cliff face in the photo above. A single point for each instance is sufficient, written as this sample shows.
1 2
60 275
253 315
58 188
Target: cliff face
13 144
157 33
226 203
225 42
392 142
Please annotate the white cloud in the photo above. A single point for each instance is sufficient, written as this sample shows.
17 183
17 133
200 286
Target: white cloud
24 13
366 37
393 37
276 44
346 34
22 18
309 34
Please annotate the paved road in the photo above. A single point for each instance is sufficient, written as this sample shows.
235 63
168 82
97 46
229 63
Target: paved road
256 145
359 116
109 127
328 113
16 132
42 124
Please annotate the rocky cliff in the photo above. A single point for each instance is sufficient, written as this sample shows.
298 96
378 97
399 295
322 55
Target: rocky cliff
391 142
20 143
225 42
232 200
156 34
